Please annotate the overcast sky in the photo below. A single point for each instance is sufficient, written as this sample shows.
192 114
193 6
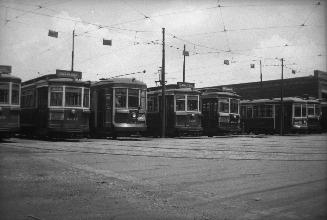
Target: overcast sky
242 32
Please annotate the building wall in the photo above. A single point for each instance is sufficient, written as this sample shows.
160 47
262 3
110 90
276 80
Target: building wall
312 86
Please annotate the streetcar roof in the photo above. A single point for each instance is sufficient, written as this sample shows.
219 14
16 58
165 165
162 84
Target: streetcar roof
219 94
53 78
277 100
175 91
117 82
9 78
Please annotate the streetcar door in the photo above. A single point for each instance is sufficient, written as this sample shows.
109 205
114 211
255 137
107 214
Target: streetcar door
210 113
108 109
42 107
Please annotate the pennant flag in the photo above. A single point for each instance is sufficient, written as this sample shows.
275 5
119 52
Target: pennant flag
252 65
107 42
226 62
293 71
186 53
53 34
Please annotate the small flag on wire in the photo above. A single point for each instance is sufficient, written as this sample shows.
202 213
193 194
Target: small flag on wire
226 62
186 53
293 71
252 65
107 42
53 34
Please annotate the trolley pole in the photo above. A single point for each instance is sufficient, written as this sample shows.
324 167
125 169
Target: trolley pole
73 47
184 65
260 74
163 82
281 100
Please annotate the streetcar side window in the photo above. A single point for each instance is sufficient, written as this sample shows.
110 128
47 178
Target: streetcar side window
192 103
234 106
56 96
249 111
133 98
297 110
317 110
143 99
86 98
15 94
223 105
120 97
27 98
4 93
73 97
180 102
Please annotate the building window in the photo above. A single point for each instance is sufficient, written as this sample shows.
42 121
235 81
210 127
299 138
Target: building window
56 96
73 97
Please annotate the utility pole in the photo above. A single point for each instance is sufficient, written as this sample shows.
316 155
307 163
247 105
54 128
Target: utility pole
281 100
73 50
184 65
163 82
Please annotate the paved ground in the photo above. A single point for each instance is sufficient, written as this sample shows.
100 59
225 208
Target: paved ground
243 177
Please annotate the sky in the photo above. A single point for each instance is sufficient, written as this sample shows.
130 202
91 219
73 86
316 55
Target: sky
240 31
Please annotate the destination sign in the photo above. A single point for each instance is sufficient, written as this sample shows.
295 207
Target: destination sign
69 74
5 69
185 85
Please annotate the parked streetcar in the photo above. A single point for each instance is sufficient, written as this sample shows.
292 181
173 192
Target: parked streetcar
221 111
118 107
56 105
9 102
264 115
183 114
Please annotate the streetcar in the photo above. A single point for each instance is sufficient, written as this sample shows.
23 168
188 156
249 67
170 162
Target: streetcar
220 111
56 105
183 115
9 102
264 115
118 107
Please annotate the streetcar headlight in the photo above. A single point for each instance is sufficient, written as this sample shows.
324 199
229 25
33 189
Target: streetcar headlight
73 111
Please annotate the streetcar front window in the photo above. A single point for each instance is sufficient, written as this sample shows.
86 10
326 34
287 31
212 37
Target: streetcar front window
56 96
4 93
304 111
86 98
73 97
234 106
133 98
192 103
249 111
297 110
15 94
224 105
180 102
27 98
152 104
120 97
311 110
